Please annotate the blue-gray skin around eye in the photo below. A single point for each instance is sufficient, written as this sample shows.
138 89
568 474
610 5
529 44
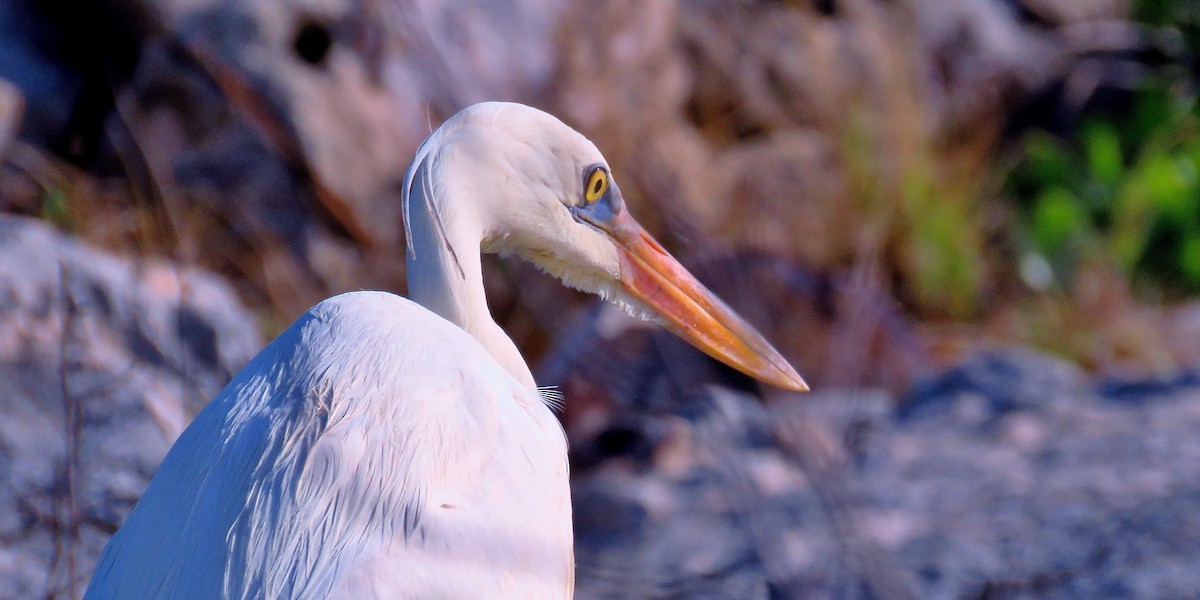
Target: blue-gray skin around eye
600 213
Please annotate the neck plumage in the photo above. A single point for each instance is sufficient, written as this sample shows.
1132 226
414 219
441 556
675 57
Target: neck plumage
445 273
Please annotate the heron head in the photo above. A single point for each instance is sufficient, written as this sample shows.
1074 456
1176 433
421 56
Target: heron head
546 194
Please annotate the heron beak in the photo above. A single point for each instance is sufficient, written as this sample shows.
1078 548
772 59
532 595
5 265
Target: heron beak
691 311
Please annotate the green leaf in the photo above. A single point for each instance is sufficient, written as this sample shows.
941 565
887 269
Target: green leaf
1155 12
1170 182
54 206
1102 147
1153 111
1189 260
1049 162
1057 217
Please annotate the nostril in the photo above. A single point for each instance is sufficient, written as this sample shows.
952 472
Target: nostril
312 43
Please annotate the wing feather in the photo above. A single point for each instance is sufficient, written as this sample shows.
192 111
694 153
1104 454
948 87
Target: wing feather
321 451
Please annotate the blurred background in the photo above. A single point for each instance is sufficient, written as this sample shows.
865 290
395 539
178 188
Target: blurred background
973 226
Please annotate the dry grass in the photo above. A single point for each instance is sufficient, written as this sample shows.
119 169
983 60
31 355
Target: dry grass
837 142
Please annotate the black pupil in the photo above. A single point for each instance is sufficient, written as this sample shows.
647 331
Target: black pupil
596 188
312 43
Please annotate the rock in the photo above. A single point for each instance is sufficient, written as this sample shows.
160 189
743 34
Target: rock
11 107
65 58
1069 497
104 362
1123 389
353 88
281 131
997 383
27 60
1011 475
712 512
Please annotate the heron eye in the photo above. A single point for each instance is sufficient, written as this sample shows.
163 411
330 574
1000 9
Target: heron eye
597 184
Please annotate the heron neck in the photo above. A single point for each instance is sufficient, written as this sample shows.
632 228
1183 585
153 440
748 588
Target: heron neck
450 282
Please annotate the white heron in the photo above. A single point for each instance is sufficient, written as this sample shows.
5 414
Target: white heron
387 448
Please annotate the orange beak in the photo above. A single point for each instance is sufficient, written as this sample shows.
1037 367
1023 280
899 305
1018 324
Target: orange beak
692 312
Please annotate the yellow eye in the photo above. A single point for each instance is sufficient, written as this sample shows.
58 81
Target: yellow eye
597 184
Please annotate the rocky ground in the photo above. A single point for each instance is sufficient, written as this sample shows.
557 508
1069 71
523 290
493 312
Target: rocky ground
103 362
1012 475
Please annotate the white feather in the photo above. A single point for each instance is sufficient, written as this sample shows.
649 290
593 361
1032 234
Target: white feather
370 451
552 396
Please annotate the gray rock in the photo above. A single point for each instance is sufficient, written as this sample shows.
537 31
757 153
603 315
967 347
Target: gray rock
104 360
1013 475
353 87
1080 497
992 384
11 107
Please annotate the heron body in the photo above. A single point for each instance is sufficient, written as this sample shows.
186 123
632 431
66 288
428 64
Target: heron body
388 448
299 480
